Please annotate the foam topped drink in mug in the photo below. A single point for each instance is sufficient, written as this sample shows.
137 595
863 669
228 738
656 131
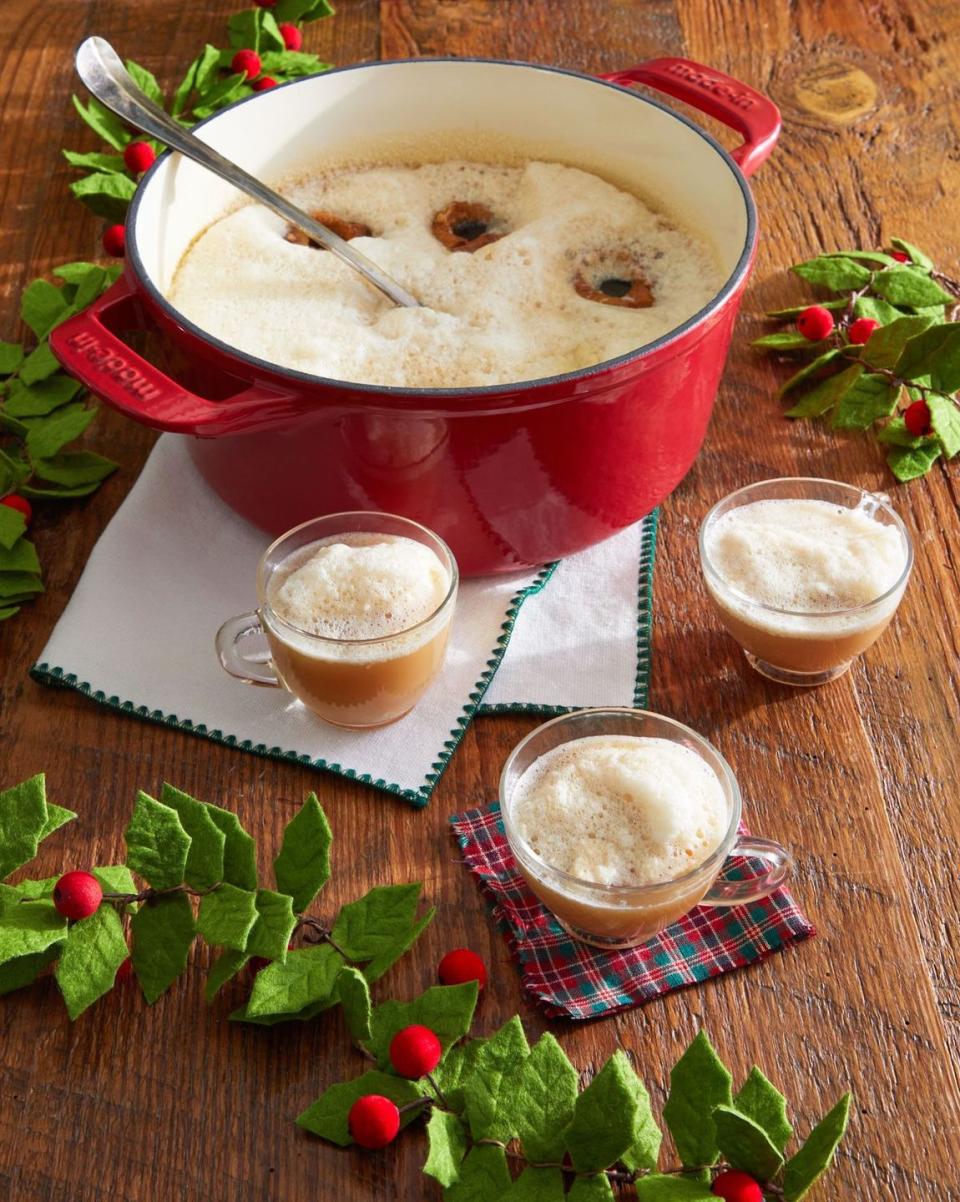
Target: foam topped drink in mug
804 582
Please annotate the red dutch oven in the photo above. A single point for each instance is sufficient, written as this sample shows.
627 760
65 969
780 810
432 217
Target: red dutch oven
509 476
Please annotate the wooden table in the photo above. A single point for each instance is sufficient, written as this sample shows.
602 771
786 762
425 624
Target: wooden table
860 778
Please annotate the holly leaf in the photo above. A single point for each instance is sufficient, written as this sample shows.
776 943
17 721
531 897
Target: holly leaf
446 1009
306 977
274 926
539 1094
916 254
327 1116
293 63
57 816
105 125
42 305
745 1145
867 399
24 970
163 931
945 422
762 1102
885 345
87 968
699 1083
226 965
227 916
809 1164
75 469
105 193
303 866
393 951
903 285
895 433
484 1176
604 1116
218 95
945 361
12 526
826 394
302 10
145 80
783 340
447 1146
907 463
838 273
918 352
46 435
95 160
37 400
879 310
11 356
17 586
255 30
795 310
39 364
23 816
377 921
204 867
537 1185
355 1002
810 369
647 1136
21 557
157 844
491 1110
197 77
660 1188
239 850
592 1189
26 930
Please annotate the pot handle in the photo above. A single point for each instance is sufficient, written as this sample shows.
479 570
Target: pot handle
717 95
89 350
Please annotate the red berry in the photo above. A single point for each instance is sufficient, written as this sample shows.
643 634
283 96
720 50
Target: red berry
815 323
77 895
292 37
124 972
246 62
115 240
373 1121
462 965
735 1186
900 256
20 504
138 156
263 84
861 329
415 1051
916 418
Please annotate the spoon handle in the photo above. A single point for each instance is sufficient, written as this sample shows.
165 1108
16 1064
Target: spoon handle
103 73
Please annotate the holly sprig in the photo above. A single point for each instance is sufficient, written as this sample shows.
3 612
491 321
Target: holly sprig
190 873
509 1123
883 352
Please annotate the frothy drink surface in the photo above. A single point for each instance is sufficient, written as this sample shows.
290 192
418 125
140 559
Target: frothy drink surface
506 312
621 809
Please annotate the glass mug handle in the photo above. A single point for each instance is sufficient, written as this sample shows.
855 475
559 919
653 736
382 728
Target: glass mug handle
255 668
777 863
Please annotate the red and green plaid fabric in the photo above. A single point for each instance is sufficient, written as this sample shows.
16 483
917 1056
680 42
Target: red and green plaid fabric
569 978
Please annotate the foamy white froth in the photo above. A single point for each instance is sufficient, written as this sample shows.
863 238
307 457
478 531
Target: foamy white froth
365 587
621 809
805 555
505 313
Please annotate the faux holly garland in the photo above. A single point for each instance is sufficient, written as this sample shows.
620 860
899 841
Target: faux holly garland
882 352
198 871
509 1123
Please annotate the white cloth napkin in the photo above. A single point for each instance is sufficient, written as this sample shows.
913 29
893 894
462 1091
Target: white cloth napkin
175 562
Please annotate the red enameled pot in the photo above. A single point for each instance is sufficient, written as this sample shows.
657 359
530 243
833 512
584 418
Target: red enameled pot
509 476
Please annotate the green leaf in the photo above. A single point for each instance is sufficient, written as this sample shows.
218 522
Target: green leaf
11 356
810 369
745 1145
274 926
915 358
74 468
114 878
835 272
826 394
26 930
40 363
895 433
592 1189
23 817
46 435
74 273
57 816
455 1067
909 463
491 1115
540 1093
945 361
307 976
660 1188
87 968
21 557
39 399
145 81
227 916
24 970
302 10
783 340
239 851
196 77
207 841
105 194
319 8
795 310
699 1083
446 1009
96 161
604 1116
393 951
7 611
484 1177
761 1101
814 1158
945 422
375 922
868 398
163 931
355 1002
226 965
886 344
303 866
42 305
537 1185
863 256
879 310
903 285
647 1136
447 1146
916 254
12 526
327 1116
105 124
19 586
58 491
157 844
218 96
293 63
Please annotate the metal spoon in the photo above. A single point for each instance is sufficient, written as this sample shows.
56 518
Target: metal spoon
100 68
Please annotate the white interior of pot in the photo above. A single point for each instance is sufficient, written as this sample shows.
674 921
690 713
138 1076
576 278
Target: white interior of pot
526 110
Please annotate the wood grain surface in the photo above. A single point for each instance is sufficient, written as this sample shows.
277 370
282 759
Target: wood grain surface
140 1104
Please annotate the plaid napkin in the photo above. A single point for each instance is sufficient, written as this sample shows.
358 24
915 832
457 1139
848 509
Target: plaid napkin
571 979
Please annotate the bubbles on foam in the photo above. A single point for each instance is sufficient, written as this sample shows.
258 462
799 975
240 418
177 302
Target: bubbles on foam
359 587
621 810
507 312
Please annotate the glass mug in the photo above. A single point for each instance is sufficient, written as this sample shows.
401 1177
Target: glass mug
353 683
791 646
622 916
